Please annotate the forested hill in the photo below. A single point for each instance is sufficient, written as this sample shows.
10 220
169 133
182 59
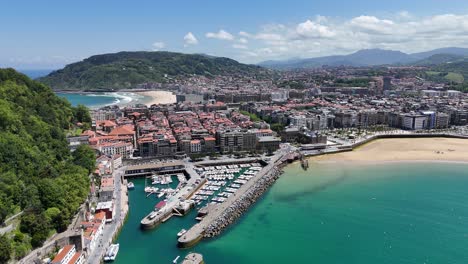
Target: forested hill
38 174
128 69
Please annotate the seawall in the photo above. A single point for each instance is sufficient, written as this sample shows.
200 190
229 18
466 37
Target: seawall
218 218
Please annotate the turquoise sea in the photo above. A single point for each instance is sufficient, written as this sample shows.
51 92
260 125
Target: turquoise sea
96 100
386 213
90 101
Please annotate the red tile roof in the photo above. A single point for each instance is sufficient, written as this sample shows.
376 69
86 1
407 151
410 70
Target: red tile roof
75 257
62 253
122 130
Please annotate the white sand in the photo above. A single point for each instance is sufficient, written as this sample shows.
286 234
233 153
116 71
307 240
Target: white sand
404 149
159 97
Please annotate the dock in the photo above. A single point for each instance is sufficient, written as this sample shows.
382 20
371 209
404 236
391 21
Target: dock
154 218
220 216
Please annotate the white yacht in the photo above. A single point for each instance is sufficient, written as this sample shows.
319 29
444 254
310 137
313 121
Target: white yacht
181 233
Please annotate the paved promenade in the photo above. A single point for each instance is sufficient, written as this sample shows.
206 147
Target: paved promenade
111 229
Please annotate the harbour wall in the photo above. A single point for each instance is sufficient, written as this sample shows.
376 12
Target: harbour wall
220 217
241 205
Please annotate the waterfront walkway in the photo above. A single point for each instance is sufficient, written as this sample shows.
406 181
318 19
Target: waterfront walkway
111 229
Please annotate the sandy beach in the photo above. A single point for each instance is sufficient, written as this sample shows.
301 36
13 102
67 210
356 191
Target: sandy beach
159 97
404 149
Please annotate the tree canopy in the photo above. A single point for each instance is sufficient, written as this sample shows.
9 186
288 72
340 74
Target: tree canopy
37 170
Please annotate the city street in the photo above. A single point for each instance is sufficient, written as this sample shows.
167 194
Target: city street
110 229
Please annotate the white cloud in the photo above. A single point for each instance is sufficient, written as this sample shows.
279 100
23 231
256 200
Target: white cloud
190 39
245 34
243 40
321 36
309 29
158 46
221 34
372 24
239 46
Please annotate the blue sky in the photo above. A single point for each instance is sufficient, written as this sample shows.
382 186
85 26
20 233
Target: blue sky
50 34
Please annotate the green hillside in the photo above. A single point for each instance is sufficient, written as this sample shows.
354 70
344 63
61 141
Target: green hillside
437 59
38 174
125 70
455 74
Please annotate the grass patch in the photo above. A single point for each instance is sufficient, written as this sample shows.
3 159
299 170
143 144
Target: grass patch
432 73
455 77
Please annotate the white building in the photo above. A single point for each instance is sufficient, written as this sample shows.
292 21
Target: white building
195 146
68 255
124 149
414 122
280 96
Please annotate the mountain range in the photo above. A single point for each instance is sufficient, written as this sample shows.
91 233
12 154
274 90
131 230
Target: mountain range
373 57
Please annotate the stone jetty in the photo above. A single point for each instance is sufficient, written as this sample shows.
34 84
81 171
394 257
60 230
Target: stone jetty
220 216
241 205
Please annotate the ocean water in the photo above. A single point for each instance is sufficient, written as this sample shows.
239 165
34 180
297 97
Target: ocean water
96 100
387 213
33 74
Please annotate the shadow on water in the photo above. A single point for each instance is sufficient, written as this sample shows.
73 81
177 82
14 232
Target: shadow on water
290 197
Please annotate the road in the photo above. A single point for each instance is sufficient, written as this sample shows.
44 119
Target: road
110 229
9 227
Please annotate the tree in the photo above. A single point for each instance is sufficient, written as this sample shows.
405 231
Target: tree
81 114
277 127
5 249
37 226
84 156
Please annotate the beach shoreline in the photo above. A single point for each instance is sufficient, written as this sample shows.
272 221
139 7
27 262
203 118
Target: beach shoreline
158 97
412 150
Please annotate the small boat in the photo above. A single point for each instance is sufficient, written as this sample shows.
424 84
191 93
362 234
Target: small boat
131 186
181 233
161 194
111 253
175 260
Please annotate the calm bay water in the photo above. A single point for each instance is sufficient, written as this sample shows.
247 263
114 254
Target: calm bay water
389 213
96 100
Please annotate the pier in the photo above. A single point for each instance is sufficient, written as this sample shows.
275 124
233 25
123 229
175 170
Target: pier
157 217
220 216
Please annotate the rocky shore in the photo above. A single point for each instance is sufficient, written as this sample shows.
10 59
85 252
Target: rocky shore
241 205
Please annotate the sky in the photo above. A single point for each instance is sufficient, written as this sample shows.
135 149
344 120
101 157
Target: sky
50 34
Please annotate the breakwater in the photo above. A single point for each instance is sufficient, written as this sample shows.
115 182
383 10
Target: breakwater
240 206
218 217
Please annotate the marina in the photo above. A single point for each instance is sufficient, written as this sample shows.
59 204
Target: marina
205 187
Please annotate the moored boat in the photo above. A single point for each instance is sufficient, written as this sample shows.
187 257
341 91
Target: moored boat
111 253
181 233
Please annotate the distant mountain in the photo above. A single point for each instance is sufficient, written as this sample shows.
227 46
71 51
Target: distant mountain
125 70
452 51
369 57
437 59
